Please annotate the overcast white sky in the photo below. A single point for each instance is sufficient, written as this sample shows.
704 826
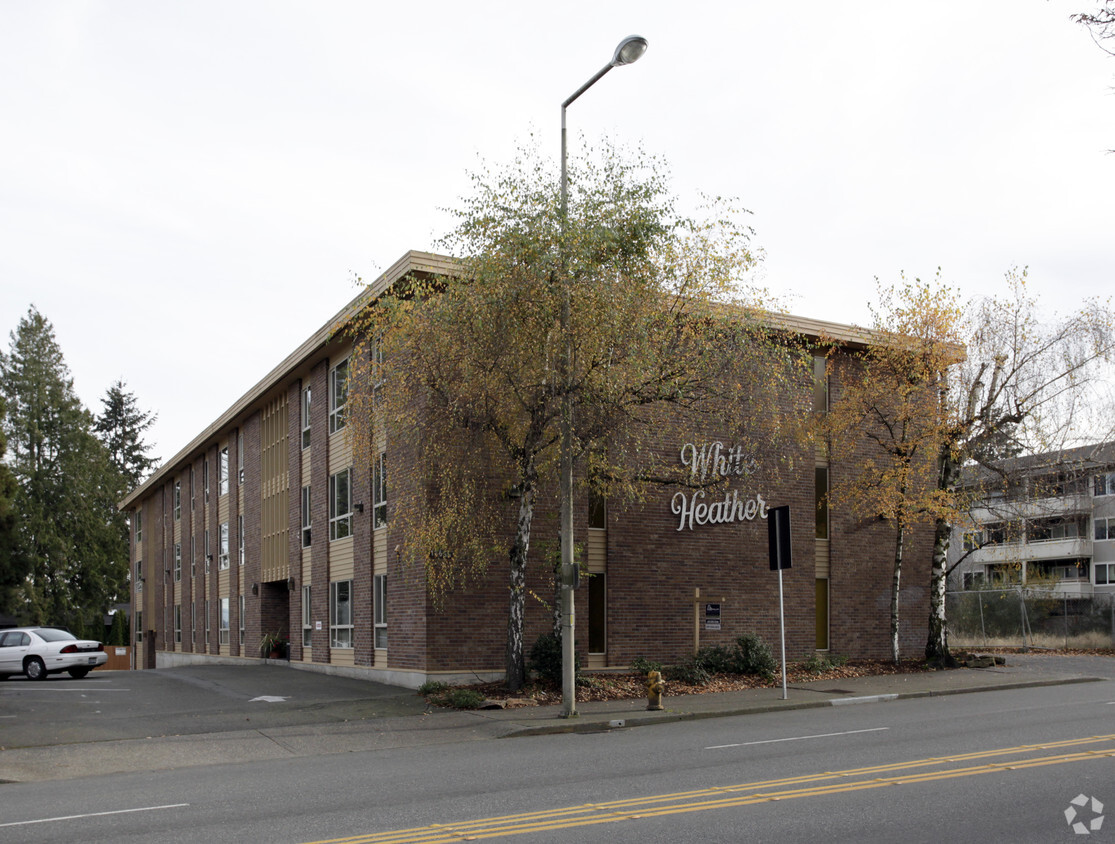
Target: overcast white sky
187 188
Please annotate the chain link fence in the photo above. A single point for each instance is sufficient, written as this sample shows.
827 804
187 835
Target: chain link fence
1027 617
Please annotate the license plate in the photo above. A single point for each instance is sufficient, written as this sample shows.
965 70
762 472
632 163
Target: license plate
92 660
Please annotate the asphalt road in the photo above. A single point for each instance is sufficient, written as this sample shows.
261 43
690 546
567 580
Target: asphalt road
996 766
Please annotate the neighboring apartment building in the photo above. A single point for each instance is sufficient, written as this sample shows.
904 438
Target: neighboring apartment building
267 521
1050 519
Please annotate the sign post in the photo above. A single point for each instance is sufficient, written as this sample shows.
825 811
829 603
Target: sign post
712 616
778 536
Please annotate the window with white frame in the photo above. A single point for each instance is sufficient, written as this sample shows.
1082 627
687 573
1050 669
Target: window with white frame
205 478
193 490
222 547
307 614
340 614
139 626
177 500
240 457
208 551
1105 484
177 562
1105 574
379 599
139 527
1104 528
177 624
139 576
307 399
193 622
222 622
379 490
377 362
207 621
240 537
340 505
307 516
222 472
338 395
193 556
240 610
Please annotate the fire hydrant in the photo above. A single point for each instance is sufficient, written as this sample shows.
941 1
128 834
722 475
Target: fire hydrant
655 687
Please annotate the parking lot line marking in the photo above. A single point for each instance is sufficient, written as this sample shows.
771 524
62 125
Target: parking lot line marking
97 814
797 738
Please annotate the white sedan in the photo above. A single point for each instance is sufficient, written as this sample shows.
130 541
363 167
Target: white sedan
39 651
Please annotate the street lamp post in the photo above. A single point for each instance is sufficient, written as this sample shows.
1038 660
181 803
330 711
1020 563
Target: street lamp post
630 49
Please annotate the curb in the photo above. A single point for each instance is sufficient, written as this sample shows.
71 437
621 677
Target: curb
671 716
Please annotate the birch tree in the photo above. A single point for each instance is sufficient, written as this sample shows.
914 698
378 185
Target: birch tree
663 323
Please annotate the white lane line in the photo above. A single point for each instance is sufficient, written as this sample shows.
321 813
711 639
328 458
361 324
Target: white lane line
97 814
66 689
797 738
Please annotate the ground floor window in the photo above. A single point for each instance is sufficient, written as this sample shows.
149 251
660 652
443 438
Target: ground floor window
1105 574
340 614
597 613
307 625
177 624
822 613
241 612
379 588
222 622
139 626
207 622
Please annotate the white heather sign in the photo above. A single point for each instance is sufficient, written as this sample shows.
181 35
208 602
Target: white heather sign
710 461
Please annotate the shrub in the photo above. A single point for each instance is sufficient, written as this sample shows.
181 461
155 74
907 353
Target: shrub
689 672
644 666
816 663
753 656
462 699
716 659
545 658
432 687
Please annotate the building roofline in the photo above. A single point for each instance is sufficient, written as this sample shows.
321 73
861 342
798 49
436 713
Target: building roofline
425 262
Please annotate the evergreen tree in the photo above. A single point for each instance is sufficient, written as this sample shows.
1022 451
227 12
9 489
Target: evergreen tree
13 567
70 533
120 427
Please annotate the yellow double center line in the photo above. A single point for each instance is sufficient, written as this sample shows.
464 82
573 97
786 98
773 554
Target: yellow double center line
744 794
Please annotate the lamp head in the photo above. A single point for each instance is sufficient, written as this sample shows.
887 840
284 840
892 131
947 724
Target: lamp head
630 50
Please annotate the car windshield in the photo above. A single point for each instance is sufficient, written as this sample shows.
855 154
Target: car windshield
49 634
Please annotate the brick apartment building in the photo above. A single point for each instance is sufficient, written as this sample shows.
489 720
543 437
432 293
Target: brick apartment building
268 522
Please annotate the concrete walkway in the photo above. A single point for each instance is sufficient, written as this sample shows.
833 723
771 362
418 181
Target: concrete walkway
425 727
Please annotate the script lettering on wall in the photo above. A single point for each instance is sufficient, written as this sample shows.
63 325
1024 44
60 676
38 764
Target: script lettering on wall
709 462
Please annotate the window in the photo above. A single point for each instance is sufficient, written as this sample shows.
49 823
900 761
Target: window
139 576
338 395
222 622
379 597
340 508
1105 528
820 384
377 362
193 491
379 491
1105 574
208 551
307 516
139 527
240 537
307 614
193 622
821 496
240 458
193 556
205 478
177 562
597 613
207 621
177 624
139 626
177 500
1105 484
340 614
306 399
222 547
597 510
240 610
222 472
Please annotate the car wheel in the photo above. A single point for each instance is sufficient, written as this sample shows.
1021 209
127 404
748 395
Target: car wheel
34 669
78 673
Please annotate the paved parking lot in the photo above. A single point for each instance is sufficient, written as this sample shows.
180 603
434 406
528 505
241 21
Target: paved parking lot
112 705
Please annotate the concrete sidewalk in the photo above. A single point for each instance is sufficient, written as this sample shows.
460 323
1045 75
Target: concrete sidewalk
437 727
